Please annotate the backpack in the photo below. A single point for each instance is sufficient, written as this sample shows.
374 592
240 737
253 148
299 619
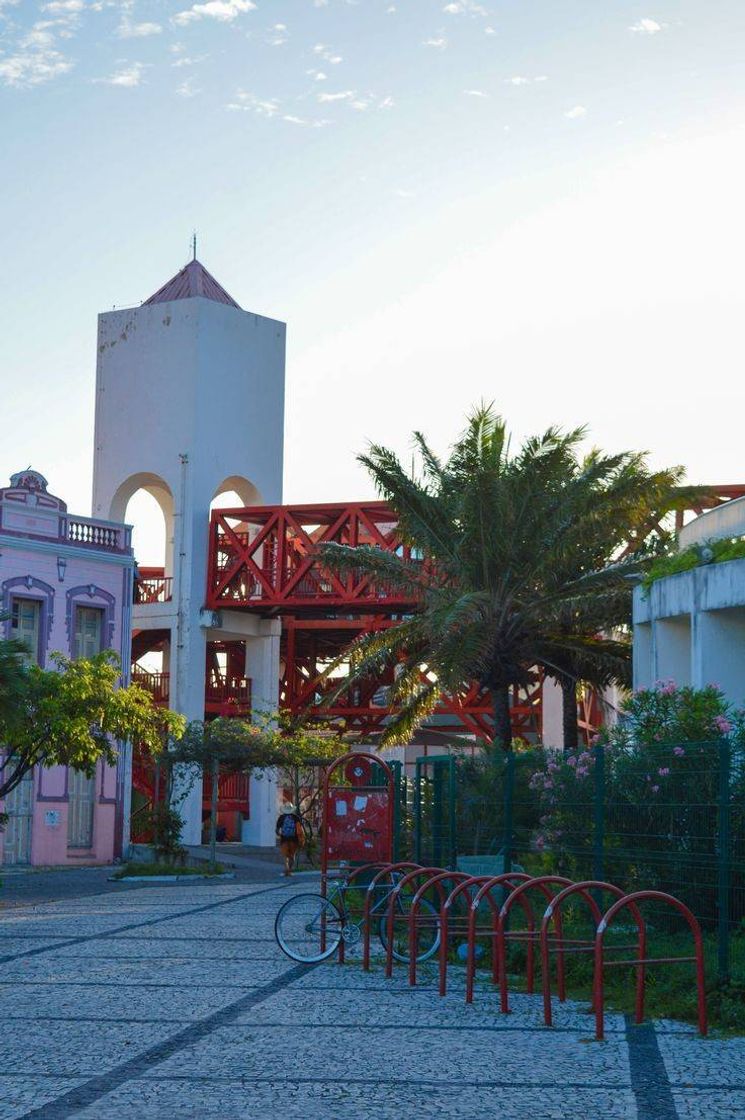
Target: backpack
288 827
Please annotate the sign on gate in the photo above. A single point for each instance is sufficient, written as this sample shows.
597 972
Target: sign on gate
358 814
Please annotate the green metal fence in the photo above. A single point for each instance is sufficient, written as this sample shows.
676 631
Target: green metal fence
668 817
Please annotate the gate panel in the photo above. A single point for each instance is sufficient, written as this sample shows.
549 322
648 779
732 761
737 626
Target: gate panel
19 805
81 799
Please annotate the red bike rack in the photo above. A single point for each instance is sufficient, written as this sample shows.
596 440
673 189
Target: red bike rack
353 874
443 877
576 944
386 869
448 926
433 873
512 880
543 883
632 900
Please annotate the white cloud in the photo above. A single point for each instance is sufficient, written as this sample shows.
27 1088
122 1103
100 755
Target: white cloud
225 11
327 54
29 67
521 80
439 43
346 95
127 30
458 7
576 112
475 93
187 60
127 76
64 6
187 88
646 26
250 103
401 193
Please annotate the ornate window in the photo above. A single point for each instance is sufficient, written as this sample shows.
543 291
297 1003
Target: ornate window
89 619
29 604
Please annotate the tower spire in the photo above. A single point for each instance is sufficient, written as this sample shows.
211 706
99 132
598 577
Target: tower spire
194 245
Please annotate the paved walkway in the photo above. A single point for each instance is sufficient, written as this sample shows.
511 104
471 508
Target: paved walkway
174 1001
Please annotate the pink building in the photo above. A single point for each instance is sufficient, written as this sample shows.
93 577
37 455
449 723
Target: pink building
65 585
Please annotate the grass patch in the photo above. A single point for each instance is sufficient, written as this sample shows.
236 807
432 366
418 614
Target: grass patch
147 869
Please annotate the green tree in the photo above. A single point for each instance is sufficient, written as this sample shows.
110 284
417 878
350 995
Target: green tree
625 517
73 715
229 745
503 583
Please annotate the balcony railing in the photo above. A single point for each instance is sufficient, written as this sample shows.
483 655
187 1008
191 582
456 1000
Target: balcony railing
226 696
98 534
154 589
157 684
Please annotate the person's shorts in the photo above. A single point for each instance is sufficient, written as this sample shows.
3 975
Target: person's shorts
288 847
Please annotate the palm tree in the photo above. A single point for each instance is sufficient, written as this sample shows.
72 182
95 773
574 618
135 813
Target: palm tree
626 518
502 576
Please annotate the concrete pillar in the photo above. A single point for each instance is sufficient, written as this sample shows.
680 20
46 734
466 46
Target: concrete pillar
552 707
642 654
719 651
262 667
671 645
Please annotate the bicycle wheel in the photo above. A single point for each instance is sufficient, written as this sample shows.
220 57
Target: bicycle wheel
308 928
428 931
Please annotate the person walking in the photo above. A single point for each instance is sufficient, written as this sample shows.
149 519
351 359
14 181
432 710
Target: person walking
289 829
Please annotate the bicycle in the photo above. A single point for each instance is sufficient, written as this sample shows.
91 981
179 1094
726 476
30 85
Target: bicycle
309 928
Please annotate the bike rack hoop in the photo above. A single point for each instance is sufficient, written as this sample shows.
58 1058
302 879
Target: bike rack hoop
631 902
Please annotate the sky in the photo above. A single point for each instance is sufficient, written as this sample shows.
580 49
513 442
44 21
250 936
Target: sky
537 203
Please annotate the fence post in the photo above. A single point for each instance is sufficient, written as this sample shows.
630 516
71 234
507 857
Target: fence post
598 842
438 812
509 796
723 862
452 780
418 812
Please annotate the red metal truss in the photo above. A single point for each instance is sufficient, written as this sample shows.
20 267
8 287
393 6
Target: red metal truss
309 645
263 558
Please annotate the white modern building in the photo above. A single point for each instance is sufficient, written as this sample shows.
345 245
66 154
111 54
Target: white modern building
189 406
690 627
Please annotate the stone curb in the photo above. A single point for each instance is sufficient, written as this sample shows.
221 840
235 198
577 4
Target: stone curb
167 878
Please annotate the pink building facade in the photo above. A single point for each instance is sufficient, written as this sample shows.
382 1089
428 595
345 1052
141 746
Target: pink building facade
66 586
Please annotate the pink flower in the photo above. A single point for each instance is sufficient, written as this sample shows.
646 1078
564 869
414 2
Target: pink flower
540 843
571 761
655 789
548 784
663 771
679 751
723 725
582 771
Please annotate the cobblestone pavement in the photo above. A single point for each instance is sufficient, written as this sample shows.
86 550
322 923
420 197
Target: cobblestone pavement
174 1001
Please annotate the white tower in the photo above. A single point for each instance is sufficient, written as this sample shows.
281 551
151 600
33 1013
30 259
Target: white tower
190 404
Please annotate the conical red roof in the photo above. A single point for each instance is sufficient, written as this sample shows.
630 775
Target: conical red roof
193 280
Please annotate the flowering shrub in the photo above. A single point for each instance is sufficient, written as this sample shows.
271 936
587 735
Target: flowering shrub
661 775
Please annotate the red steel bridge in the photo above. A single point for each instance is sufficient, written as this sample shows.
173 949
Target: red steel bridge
264 559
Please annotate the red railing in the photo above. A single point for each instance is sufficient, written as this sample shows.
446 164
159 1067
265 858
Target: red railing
225 697
153 586
157 684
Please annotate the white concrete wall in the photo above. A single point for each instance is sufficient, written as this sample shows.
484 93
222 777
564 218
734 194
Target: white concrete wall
727 520
691 627
189 394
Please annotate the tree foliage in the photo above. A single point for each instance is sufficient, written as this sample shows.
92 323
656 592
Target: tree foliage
523 565
72 715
